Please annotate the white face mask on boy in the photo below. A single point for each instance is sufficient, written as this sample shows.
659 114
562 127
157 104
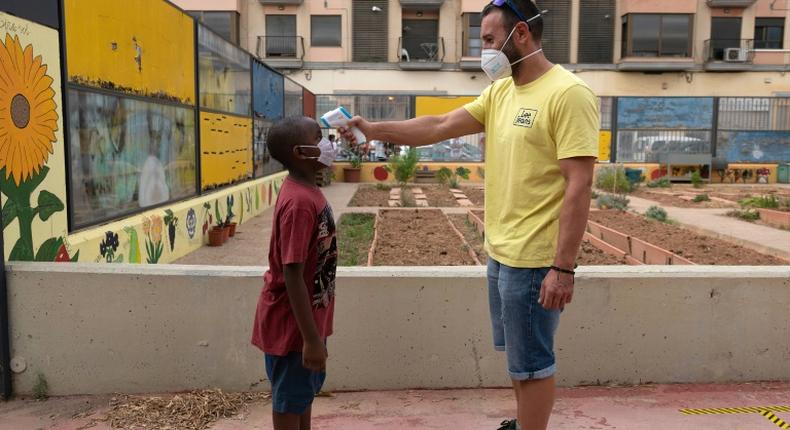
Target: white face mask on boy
328 152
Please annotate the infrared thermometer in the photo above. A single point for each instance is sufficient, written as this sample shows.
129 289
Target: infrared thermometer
339 118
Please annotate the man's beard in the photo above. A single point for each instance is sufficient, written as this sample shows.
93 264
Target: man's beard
512 56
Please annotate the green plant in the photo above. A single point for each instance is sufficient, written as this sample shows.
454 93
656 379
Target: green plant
482 172
746 215
404 167
356 161
765 202
355 234
383 187
701 198
613 179
449 178
407 199
696 179
594 195
41 387
660 183
229 205
608 201
657 213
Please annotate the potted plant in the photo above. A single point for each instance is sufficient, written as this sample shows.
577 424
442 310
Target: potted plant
354 173
222 224
229 218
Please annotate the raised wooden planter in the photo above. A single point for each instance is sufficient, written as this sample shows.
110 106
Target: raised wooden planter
635 250
775 218
476 221
467 245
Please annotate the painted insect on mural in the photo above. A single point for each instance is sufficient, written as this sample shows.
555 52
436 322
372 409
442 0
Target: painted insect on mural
28 122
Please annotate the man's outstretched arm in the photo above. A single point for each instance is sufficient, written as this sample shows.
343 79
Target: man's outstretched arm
425 130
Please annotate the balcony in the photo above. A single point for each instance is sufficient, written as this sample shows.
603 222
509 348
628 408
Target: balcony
282 2
729 54
656 64
281 52
730 3
421 53
422 4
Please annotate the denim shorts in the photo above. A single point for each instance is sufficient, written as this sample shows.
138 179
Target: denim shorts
293 386
523 328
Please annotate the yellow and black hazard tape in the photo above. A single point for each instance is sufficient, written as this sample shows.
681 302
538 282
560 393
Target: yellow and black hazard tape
776 420
726 411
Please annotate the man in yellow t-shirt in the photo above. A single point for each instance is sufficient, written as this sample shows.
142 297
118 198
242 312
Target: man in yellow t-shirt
541 124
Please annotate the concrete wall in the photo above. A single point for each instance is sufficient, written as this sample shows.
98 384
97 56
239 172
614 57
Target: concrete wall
102 329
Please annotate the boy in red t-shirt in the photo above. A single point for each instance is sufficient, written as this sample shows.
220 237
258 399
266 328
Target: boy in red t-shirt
295 308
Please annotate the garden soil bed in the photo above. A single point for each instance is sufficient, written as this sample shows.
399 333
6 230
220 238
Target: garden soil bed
476 194
698 248
662 196
415 237
588 256
370 196
470 233
438 196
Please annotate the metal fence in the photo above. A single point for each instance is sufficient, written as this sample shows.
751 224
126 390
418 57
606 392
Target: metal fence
754 113
645 145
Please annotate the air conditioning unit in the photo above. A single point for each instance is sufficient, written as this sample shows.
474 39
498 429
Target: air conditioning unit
736 55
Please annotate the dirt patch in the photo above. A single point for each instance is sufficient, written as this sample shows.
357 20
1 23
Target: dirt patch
438 196
589 255
697 248
471 235
674 199
370 196
418 238
476 195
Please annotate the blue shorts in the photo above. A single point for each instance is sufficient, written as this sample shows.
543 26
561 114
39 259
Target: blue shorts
523 328
293 386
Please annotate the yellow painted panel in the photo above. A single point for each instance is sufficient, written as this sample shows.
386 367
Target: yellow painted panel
31 133
604 145
427 105
145 47
225 149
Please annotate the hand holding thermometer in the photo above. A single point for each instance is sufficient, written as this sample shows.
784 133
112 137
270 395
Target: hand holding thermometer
339 118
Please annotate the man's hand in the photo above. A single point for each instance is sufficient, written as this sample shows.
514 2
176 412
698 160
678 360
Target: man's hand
556 290
314 355
363 125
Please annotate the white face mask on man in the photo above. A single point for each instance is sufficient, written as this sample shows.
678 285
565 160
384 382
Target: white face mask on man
496 64
328 152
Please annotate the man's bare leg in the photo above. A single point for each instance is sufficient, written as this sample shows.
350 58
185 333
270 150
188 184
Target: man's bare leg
535 401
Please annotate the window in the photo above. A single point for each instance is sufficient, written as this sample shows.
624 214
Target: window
224 23
769 33
325 30
281 36
419 41
224 75
472 43
127 154
650 35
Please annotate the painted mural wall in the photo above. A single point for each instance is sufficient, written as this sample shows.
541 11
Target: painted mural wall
32 155
268 107
224 75
166 234
226 149
665 113
754 146
142 47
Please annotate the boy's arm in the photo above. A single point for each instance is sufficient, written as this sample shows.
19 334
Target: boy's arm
314 351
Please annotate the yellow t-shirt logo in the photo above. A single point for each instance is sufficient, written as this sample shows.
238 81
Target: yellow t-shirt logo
525 117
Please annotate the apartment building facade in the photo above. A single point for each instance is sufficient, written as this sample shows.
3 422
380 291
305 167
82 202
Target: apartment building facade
697 68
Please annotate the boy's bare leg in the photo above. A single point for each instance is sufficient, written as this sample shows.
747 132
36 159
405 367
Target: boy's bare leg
305 419
286 421
535 402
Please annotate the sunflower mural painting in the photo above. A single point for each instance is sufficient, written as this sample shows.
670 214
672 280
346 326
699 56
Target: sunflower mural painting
32 160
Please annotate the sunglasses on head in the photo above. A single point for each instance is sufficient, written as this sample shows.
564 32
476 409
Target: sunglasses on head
512 7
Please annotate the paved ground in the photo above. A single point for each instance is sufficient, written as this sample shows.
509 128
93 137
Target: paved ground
632 408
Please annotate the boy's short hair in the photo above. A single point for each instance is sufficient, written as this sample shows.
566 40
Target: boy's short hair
284 135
